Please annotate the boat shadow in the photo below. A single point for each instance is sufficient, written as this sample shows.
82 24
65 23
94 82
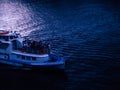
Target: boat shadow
13 79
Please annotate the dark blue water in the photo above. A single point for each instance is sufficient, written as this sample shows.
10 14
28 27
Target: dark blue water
85 32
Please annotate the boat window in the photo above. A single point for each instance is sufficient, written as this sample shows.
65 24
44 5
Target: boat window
4 45
11 37
28 58
33 58
18 56
3 37
23 57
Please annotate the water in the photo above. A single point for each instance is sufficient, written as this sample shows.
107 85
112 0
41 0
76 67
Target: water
85 32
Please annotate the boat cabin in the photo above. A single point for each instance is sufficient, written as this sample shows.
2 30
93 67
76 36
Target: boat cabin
18 44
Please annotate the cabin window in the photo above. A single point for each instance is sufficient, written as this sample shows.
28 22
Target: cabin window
5 38
33 58
18 56
27 58
11 37
23 57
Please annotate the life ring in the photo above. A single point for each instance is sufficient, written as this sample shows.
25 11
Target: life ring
4 32
42 51
22 49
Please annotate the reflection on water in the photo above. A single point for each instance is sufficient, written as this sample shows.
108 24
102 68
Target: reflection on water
17 17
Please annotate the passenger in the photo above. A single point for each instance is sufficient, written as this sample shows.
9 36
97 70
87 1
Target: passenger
34 47
25 46
23 42
37 47
31 47
41 51
28 49
47 46
29 42
22 49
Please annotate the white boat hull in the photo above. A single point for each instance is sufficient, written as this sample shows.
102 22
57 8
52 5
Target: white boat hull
46 65
22 52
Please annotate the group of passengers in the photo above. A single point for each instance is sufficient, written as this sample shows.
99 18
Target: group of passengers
37 47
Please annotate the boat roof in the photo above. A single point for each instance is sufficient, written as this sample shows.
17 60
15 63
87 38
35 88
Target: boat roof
8 34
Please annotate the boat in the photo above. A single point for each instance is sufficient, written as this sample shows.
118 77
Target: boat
25 53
